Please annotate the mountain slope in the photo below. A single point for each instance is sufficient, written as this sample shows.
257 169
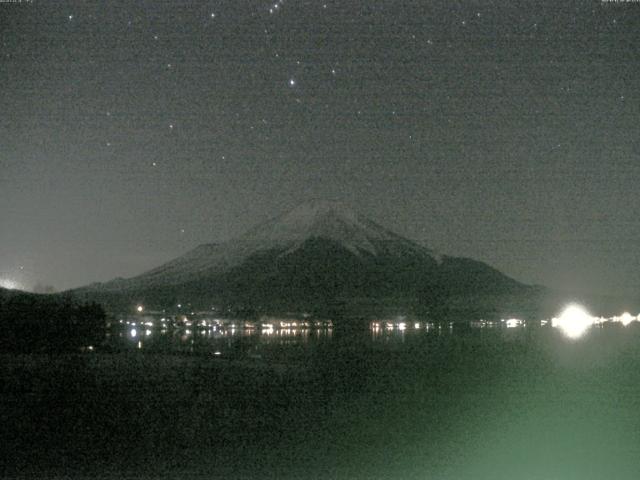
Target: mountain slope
318 254
329 220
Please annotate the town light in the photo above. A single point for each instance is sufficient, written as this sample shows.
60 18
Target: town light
574 321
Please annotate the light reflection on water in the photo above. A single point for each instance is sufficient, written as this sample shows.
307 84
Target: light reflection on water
240 338
482 388
398 398
221 341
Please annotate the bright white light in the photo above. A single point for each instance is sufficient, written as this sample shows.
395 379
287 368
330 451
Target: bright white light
513 322
140 308
600 320
402 326
8 284
574 321
626 318
133 333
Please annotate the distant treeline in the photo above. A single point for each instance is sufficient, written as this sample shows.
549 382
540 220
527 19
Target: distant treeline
33 323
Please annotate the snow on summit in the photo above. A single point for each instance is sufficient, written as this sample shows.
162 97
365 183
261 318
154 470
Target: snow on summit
330 220
286 233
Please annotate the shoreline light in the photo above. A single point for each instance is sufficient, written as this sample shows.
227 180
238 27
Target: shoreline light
574 321
626 318
513 322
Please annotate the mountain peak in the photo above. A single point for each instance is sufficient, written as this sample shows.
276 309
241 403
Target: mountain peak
311 215
317 252
319 218
312 210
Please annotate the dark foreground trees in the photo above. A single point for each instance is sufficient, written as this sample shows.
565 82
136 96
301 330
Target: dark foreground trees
32 323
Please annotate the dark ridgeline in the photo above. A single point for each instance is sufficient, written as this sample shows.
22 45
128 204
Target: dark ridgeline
48 323
319 258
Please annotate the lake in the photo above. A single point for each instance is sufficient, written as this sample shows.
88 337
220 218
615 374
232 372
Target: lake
465 401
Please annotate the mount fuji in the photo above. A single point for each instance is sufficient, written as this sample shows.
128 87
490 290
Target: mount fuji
319 254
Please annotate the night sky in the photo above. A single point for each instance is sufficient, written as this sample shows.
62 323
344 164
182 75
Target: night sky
508 131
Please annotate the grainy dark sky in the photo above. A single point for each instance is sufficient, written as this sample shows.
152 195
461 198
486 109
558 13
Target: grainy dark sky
507 131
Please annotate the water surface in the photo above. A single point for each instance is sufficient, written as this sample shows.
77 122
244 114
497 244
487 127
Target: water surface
437 402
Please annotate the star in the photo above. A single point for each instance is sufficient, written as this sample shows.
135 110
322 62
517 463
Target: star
70 17
213 15
292 82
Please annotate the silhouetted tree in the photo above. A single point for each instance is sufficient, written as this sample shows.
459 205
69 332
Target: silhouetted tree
49 323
